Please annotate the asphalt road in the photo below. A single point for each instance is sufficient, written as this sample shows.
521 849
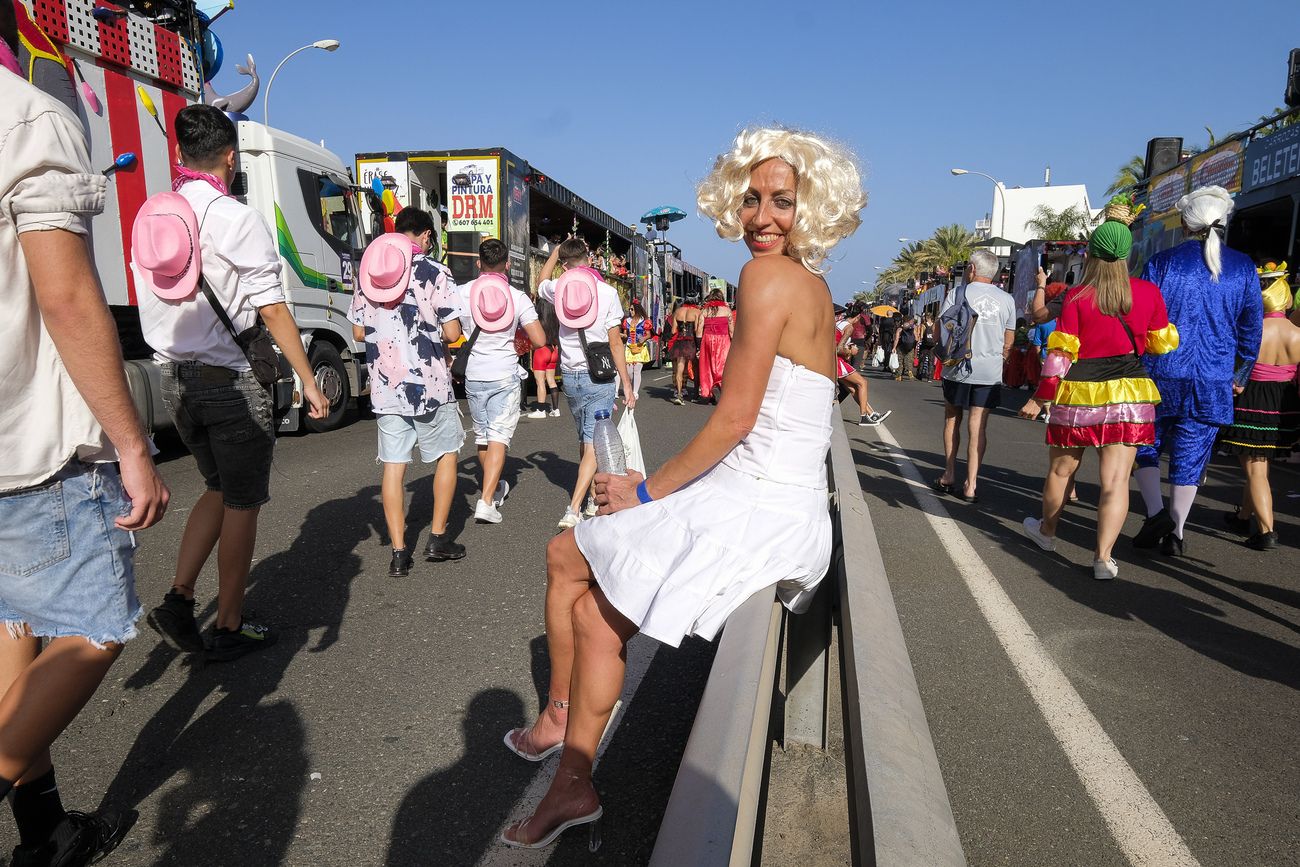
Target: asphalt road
371 733
1190 666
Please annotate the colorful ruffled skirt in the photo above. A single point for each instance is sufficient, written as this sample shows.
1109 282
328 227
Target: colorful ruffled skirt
1104 402
1265 422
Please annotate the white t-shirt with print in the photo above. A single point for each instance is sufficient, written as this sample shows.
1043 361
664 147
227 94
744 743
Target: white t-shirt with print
609 314
493 358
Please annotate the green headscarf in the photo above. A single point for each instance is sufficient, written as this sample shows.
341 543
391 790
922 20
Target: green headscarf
1111 241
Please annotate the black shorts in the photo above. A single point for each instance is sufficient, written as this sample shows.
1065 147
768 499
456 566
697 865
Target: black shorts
964 395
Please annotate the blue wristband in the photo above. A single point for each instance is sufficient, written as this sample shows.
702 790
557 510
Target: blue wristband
642 494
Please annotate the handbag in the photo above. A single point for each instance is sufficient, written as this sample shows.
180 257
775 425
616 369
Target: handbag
600 360
461 363
268 366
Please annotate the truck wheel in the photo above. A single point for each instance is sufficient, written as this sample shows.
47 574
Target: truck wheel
332 379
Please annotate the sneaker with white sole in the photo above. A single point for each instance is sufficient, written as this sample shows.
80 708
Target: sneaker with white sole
555 413
591 508
537 413
1034 530
571 519
868 420
486 513
1105 570
499 496
881 416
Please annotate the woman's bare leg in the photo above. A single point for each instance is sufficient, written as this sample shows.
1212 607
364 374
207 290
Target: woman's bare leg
601 635
539 379
1060 478
1116 466
1261 494
568 578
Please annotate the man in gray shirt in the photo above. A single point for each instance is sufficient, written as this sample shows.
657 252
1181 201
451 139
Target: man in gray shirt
978 386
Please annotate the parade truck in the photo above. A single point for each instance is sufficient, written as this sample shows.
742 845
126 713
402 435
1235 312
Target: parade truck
1259 167
491 192
126 70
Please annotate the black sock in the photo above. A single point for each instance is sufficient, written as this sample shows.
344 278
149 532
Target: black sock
37 809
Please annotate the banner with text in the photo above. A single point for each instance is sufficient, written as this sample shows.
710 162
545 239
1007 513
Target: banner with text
472 205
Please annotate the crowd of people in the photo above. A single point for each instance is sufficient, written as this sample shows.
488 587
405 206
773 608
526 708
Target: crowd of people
76 488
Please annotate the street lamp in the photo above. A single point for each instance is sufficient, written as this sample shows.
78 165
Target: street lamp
997 185
323 44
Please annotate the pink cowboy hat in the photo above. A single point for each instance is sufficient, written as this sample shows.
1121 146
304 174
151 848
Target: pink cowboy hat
386 268
575 299
165 246
491 303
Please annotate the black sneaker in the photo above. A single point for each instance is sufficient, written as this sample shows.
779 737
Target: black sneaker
174 621
441 548
400 566
1263 541
230 644
1172 546
80 839
1154 529
1236 523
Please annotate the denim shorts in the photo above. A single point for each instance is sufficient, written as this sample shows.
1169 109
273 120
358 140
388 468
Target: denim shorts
224 419
438 433
65 570
494 409
585 398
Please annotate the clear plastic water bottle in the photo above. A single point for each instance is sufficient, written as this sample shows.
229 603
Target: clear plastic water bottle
610 456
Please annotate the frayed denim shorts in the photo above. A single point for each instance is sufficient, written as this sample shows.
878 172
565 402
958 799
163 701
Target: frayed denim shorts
586 398
65 569
494 409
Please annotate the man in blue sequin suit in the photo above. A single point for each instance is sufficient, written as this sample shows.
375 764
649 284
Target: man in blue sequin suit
1212 293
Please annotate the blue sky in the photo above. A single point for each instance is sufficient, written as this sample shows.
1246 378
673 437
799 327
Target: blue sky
627 104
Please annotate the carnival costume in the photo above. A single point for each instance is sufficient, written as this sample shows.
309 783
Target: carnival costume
714 347
683 345
1212 295
1100 393
637 339
1266 419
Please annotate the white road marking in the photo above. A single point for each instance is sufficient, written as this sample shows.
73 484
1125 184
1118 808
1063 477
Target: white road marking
640 652
1139 826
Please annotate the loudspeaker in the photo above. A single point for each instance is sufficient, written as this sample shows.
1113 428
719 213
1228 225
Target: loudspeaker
1293 79
1163 154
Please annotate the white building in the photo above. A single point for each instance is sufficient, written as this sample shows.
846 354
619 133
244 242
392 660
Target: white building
1014 207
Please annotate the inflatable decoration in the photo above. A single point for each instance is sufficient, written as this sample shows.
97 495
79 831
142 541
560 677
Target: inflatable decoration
238 102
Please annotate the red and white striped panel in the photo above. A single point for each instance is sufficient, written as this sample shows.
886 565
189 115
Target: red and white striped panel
131 42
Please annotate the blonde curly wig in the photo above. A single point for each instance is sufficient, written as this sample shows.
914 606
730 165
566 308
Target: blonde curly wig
828 196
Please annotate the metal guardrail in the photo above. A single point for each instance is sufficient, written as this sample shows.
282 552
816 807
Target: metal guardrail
899 812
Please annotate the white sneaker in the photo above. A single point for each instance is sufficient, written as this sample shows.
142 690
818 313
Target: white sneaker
570 519
1034 530
555 413
537 413
591 508
499 496
1105 570
486 513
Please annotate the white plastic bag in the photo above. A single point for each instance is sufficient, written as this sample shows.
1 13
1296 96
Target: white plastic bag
880 355
631 441
893 361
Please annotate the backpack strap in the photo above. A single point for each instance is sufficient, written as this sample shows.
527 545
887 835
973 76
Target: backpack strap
1132 341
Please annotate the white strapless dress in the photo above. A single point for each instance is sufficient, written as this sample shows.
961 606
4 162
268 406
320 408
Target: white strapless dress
680 565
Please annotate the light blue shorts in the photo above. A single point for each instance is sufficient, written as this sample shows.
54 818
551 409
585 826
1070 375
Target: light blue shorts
65 570
585 398
494 409
438 433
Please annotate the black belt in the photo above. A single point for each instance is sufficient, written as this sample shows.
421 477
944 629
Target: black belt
197 370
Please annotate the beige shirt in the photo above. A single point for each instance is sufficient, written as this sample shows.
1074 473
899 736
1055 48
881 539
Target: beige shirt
46 182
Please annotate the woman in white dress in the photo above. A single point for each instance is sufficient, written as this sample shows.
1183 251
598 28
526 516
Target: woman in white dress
743 506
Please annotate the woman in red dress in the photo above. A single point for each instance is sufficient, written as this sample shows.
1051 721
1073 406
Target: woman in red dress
714 328
1100 393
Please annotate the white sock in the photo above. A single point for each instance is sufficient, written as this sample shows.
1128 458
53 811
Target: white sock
1149 483
1180 504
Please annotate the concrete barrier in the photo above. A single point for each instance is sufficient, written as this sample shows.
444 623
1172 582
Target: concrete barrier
899 812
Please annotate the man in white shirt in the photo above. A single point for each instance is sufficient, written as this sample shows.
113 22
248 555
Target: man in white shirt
976 386
493 377
222 413
68 577
586 397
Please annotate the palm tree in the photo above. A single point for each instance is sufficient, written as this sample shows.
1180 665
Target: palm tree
950 245
1127 176
1068 224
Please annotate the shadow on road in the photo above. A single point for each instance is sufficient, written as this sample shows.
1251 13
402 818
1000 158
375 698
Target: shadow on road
237 772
